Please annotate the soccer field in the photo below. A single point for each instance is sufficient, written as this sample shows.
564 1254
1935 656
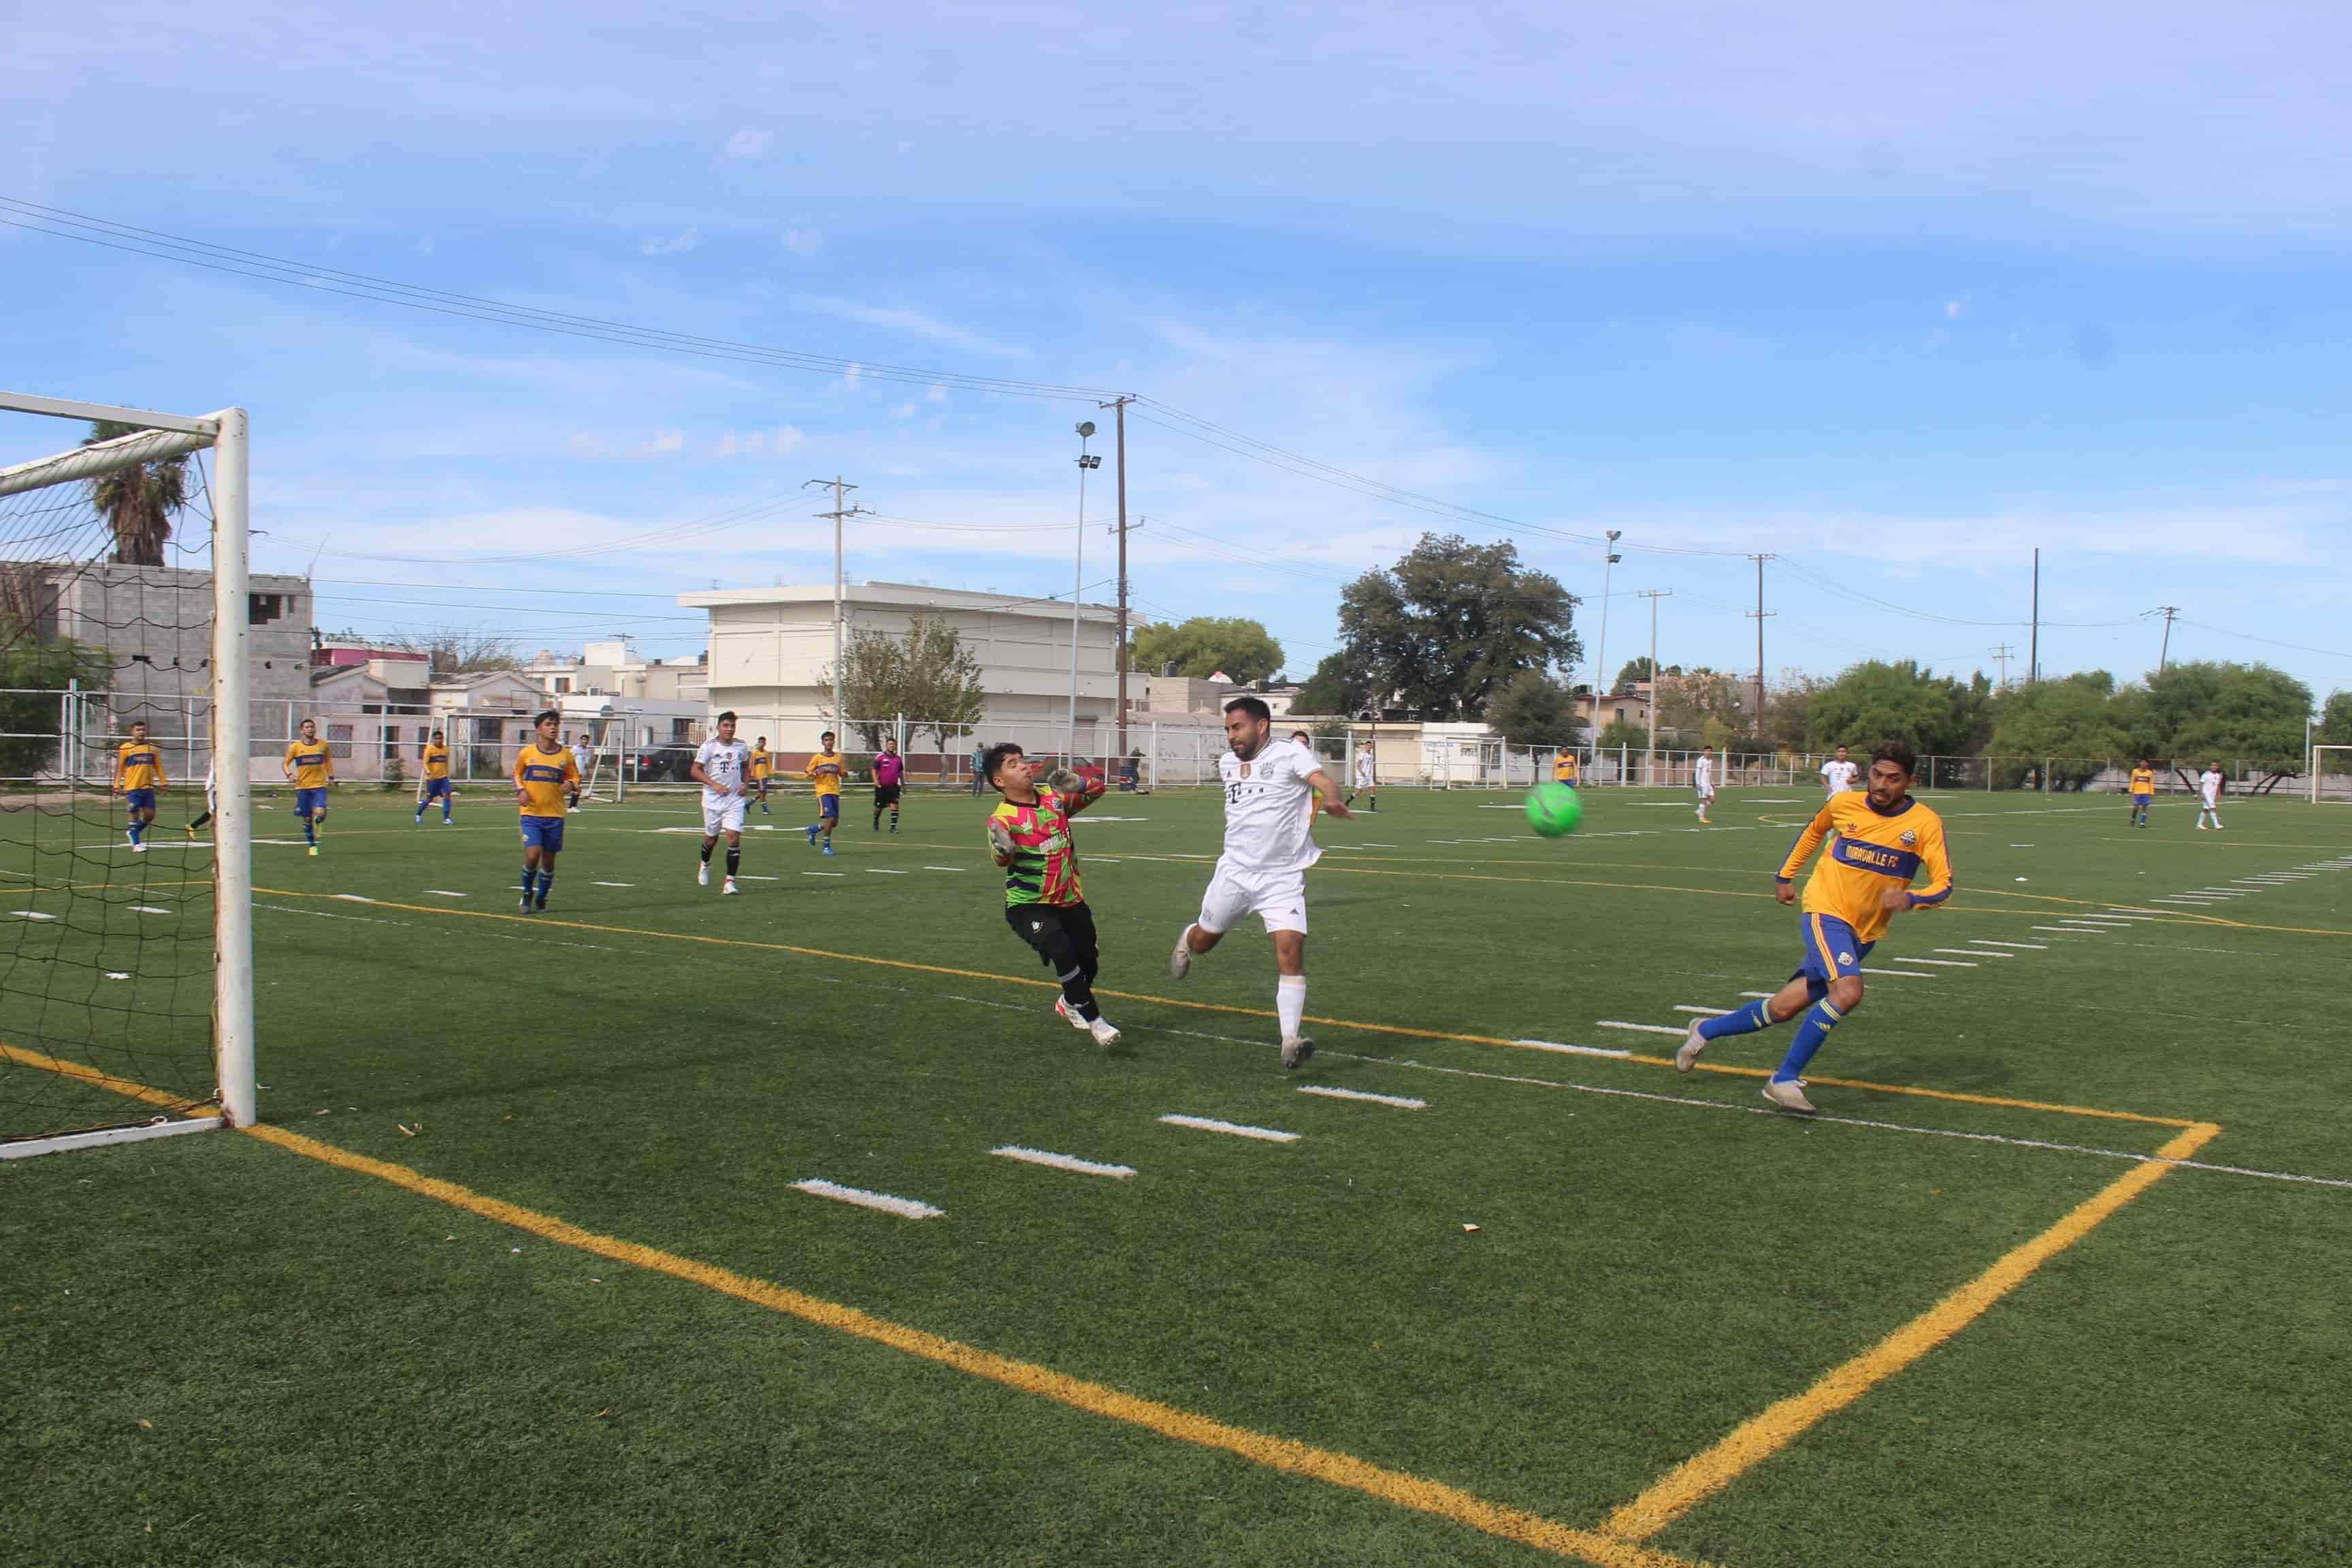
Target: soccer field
520 1269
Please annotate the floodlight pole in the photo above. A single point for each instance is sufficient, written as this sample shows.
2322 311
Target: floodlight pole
1118 406
1601 650
1650 762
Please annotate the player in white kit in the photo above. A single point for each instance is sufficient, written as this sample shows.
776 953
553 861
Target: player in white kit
1703 781
1272 790
722 765
1838 773
2209 795
1368 779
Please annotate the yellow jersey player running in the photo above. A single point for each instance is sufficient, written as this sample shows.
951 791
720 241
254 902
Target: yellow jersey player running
310 766
434 765
2143 790
546 775
137 775
763 768
1879 839
1030 832
828 768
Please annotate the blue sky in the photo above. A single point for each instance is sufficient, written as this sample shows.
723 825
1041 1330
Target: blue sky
1896 293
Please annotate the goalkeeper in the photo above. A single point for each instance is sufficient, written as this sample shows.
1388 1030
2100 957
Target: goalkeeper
1030 832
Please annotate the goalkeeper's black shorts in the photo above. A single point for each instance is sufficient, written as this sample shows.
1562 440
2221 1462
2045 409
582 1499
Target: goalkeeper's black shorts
1063 934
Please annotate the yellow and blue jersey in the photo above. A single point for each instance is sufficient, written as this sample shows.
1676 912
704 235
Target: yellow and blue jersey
1868 852
762 765
436 761
544 779
1563 767
311 763
828 768
2143 781
138 766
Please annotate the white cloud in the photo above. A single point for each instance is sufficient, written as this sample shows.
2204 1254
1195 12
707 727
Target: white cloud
904 411
685 239
803 241
909 323
1952 309
749 142
599 448
780 442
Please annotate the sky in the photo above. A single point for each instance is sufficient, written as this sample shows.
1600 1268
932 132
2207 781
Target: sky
1893 293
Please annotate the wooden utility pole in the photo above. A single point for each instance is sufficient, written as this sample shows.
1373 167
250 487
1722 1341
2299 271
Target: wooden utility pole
2004 653
839 514
2034 640
2166 651
1760 614
1118 406
1650 762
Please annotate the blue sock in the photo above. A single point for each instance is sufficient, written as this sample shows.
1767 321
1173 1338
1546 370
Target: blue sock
1743 1021
529 876
546 884
309 831
445 811
1819 1022
135 827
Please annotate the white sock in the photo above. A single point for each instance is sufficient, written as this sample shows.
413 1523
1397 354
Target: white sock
1290 1002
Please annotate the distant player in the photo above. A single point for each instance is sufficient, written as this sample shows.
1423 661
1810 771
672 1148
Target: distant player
722 766
211 799
1565 767
889 769
763 768
2209 787
1878 841
978 767
1272 793
137 775
828 768
1702 781
434 762
2143 791
583 757
1029 834
546 775
1367 780
1838 773
310 767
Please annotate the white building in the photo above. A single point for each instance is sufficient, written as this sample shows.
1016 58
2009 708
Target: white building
771 649
615 669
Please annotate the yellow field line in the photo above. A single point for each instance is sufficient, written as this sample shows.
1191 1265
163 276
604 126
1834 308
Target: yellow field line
107 1080
1764 1434
1405 1031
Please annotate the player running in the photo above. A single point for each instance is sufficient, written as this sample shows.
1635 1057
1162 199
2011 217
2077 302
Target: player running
2209 787
1838 773
1029 832
1878 840
1272 793
722 766
889 769
2143 790
1702 781
545 777
137 775
310 766
828 768
583 756
434 762
764 767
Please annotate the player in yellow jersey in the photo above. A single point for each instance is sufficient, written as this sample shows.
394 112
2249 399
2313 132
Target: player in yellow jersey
828 768
433 763
310 767
137 775
1878 840
2143 790
546 775
764 767
1564 766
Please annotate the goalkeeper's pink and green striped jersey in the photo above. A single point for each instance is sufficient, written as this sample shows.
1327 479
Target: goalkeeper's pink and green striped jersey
1044 869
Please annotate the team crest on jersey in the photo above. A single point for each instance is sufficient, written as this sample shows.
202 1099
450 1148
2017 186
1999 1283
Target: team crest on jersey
1245 768
1909 838
1845 958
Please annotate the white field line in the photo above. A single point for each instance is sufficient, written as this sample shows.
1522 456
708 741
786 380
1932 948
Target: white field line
1760 995
1936 962
2131 912
1235 1128
878 871
616 884
1061 1162
1971 951
448 893
943 867
1996 941
1368 844
755 876
351 898
2225 892
148 909
1329 1092
834 874
38 915
1907 973
1677 1030
1566 1049
1705 1012
906 1208
2075 930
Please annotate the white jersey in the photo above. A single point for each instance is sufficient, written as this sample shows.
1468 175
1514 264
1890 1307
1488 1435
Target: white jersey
1269 809
2209 786
583 755
726 764
1364 777
1703 775
1837 776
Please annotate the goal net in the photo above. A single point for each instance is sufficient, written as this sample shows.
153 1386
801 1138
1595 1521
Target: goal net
126 974
2331 774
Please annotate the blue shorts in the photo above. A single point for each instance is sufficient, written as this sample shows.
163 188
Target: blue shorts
828 806
2142 799
140 799
543 833
436 789
1832 949
309 803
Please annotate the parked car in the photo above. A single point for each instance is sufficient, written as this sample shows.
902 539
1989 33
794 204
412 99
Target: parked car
655 763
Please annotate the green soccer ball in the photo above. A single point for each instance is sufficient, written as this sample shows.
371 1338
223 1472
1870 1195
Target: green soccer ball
1554 810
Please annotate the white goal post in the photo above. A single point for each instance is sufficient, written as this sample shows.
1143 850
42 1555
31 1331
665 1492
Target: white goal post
2320 758
158 438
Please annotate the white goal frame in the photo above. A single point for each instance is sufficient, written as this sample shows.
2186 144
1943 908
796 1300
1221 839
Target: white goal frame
2318 761
157 438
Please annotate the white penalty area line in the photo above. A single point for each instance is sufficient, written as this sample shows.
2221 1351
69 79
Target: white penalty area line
1568 1050
904 1208
1061 1162
1235 1129
1329 1092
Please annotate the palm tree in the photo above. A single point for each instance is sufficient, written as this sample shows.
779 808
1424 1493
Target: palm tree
138 503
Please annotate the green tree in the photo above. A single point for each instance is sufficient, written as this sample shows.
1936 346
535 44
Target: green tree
926 675
137 503
1205 645
1880 700
31 675
1636 670
1702 707
1623 733
1449 624
2335 721
460 652
2226 712
2071 725
1533 710
1327 691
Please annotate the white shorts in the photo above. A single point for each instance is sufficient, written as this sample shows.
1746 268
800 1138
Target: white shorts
724 814
1277 898
1706 792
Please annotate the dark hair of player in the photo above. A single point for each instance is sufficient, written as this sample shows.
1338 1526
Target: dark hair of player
1302 735
1254 706
826 737
728 717
545 714
436 734
1901 755
993 758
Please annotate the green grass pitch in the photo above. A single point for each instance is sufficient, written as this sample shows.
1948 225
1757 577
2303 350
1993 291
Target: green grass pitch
215 1351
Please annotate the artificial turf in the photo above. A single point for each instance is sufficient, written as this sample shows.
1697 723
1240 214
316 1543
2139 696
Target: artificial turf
332 1369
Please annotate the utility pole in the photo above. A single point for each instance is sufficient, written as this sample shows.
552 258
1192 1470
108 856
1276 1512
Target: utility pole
1760 614
1650 761
1600 651
1088 463
839 514
2034 642
2004 653
1119 410
2165 652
